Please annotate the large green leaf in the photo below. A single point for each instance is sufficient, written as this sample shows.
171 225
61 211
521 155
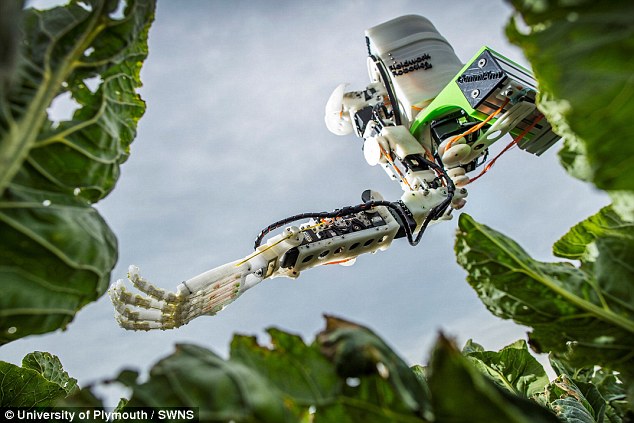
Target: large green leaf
582 53
604 243
57 252
461 393
584 313
40 382
512 368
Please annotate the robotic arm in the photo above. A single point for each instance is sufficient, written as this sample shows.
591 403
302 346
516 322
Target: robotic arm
425 118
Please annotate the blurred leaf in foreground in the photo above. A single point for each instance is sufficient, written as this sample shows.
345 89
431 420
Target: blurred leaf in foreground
222 390
379 386
582 54
299 372
347 375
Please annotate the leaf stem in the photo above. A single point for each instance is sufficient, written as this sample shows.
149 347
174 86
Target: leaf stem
22 135
603 314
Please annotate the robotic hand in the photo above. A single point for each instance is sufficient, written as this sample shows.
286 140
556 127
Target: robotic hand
426 119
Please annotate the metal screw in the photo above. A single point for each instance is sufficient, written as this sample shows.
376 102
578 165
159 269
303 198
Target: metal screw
482 62
475 93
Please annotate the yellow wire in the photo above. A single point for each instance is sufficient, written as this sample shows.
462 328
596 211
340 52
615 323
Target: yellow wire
268 247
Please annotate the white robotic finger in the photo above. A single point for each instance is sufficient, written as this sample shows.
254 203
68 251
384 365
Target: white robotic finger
337 121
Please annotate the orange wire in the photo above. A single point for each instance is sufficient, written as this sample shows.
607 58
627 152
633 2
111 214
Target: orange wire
476 127
508 147
389 159
340 261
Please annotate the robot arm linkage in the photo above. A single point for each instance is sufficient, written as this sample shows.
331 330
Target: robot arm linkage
327 238
425 118
336 237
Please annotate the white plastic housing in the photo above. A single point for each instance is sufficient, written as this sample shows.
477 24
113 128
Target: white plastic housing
401 141
421 202
420 62
341 248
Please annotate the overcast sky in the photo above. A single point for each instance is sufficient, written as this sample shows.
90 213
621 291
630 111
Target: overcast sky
234 139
